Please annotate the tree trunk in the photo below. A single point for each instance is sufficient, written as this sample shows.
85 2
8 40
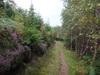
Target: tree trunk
95 53
76 45
71 39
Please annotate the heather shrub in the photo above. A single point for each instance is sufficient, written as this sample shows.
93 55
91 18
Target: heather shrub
40 49
5 37
12 58
12 51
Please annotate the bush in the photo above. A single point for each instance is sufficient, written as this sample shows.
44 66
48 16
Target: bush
32 36
12 53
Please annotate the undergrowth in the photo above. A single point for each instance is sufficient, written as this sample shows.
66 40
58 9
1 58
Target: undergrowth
49 64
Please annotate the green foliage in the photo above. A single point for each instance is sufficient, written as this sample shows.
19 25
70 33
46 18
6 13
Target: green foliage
27 24
9 10
48 35
1 7
32 36
1 4
32 19
47 28
57 32
8 22
92 71
68 42
87 58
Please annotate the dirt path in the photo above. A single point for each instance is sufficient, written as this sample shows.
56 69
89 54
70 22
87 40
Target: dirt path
64 68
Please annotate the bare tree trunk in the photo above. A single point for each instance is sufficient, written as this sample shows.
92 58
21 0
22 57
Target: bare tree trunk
71 39
95 53
76 44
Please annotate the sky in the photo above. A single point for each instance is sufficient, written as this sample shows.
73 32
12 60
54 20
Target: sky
50 10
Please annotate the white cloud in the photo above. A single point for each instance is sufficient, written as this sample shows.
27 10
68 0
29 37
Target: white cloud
48 9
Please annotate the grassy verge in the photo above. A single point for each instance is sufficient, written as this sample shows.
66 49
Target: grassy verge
49 64
75 67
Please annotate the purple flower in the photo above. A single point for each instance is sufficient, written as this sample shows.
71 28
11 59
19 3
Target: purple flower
8 51
1 58
20 48
27 48
14 36
10 29
5 64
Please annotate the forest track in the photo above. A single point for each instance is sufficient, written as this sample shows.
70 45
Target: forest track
64 68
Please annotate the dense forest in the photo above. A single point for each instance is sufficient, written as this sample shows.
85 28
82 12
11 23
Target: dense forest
24 34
